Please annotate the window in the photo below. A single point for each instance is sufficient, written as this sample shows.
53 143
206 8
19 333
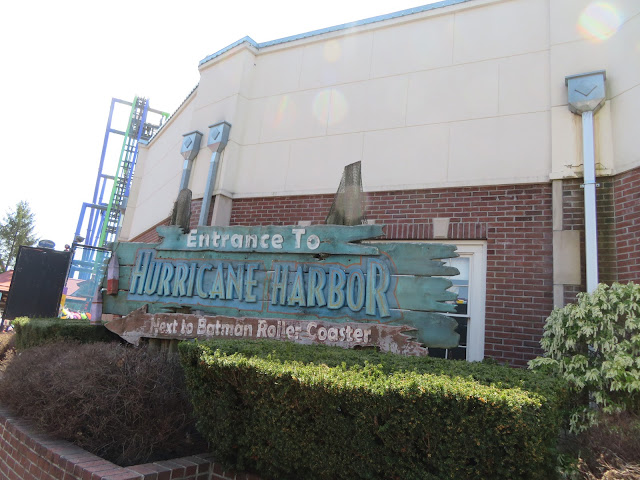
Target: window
470 285
470 306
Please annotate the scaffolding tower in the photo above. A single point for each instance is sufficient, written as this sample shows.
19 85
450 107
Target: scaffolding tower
104 220
100 221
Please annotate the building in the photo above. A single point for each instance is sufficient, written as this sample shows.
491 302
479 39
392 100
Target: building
5 285
459 113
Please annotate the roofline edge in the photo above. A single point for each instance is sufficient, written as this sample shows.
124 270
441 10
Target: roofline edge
344 26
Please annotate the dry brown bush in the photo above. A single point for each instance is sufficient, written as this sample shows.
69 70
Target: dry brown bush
611 449
123 404
7 348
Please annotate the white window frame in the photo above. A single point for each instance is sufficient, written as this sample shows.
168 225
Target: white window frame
476 251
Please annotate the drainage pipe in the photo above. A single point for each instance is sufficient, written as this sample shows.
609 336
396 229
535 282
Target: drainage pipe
590 214
189 151
586 95
217 140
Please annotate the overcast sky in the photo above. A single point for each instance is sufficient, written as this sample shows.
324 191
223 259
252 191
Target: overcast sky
62 62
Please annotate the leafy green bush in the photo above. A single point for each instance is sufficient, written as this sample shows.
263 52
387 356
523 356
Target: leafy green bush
32 332
595 345
295 411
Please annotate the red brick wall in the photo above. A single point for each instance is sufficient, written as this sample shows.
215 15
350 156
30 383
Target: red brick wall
573 219
516 223
627 228
151 236
26 454
281 210
618 206
514 220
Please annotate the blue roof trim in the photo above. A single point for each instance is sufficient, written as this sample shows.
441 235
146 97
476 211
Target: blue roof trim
172 115
247 39
344 26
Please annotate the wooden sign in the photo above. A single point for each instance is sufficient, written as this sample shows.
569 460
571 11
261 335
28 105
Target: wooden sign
140 324
320 274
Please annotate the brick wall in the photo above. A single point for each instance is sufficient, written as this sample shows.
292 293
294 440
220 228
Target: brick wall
516 223
618 206
281 210
573 219
151 236
26 454
514 220
627 228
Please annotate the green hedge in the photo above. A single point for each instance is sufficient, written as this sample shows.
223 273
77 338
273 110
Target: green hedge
313 412
32 332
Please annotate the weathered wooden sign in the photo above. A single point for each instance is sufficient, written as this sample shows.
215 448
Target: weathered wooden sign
140 324
318 282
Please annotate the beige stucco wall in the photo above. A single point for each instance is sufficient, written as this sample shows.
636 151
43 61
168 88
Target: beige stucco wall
469 94
573 52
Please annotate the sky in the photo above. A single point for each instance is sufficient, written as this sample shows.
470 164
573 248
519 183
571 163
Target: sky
62 62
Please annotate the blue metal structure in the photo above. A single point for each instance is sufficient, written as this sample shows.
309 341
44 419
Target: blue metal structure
100 220
104 216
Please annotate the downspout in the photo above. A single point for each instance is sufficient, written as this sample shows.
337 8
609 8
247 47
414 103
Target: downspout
586 94
217 140
189 151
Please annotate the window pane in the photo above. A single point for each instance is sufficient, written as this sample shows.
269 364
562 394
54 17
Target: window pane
462 330
460 352
462 264
438 352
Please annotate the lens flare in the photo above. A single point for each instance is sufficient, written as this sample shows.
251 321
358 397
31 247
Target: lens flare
321 104
339 107
599 21
330 106
286 109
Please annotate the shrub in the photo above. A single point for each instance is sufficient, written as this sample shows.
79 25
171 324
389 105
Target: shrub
297 411
31 332
611 449
595 345
126 405
7 348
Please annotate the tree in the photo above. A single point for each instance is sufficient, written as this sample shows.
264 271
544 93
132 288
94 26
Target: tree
16 230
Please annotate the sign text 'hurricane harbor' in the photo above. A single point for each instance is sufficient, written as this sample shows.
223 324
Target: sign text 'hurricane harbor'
318 284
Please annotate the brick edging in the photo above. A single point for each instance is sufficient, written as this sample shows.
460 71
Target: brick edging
27 454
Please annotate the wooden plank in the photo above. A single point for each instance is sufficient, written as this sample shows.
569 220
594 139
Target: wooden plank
121 305
408 258
127 251
419 258
405 292
432 329
424 293
317 239
140 324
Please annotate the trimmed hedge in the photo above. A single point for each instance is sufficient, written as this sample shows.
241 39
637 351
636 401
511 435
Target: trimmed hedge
289 411
32 332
